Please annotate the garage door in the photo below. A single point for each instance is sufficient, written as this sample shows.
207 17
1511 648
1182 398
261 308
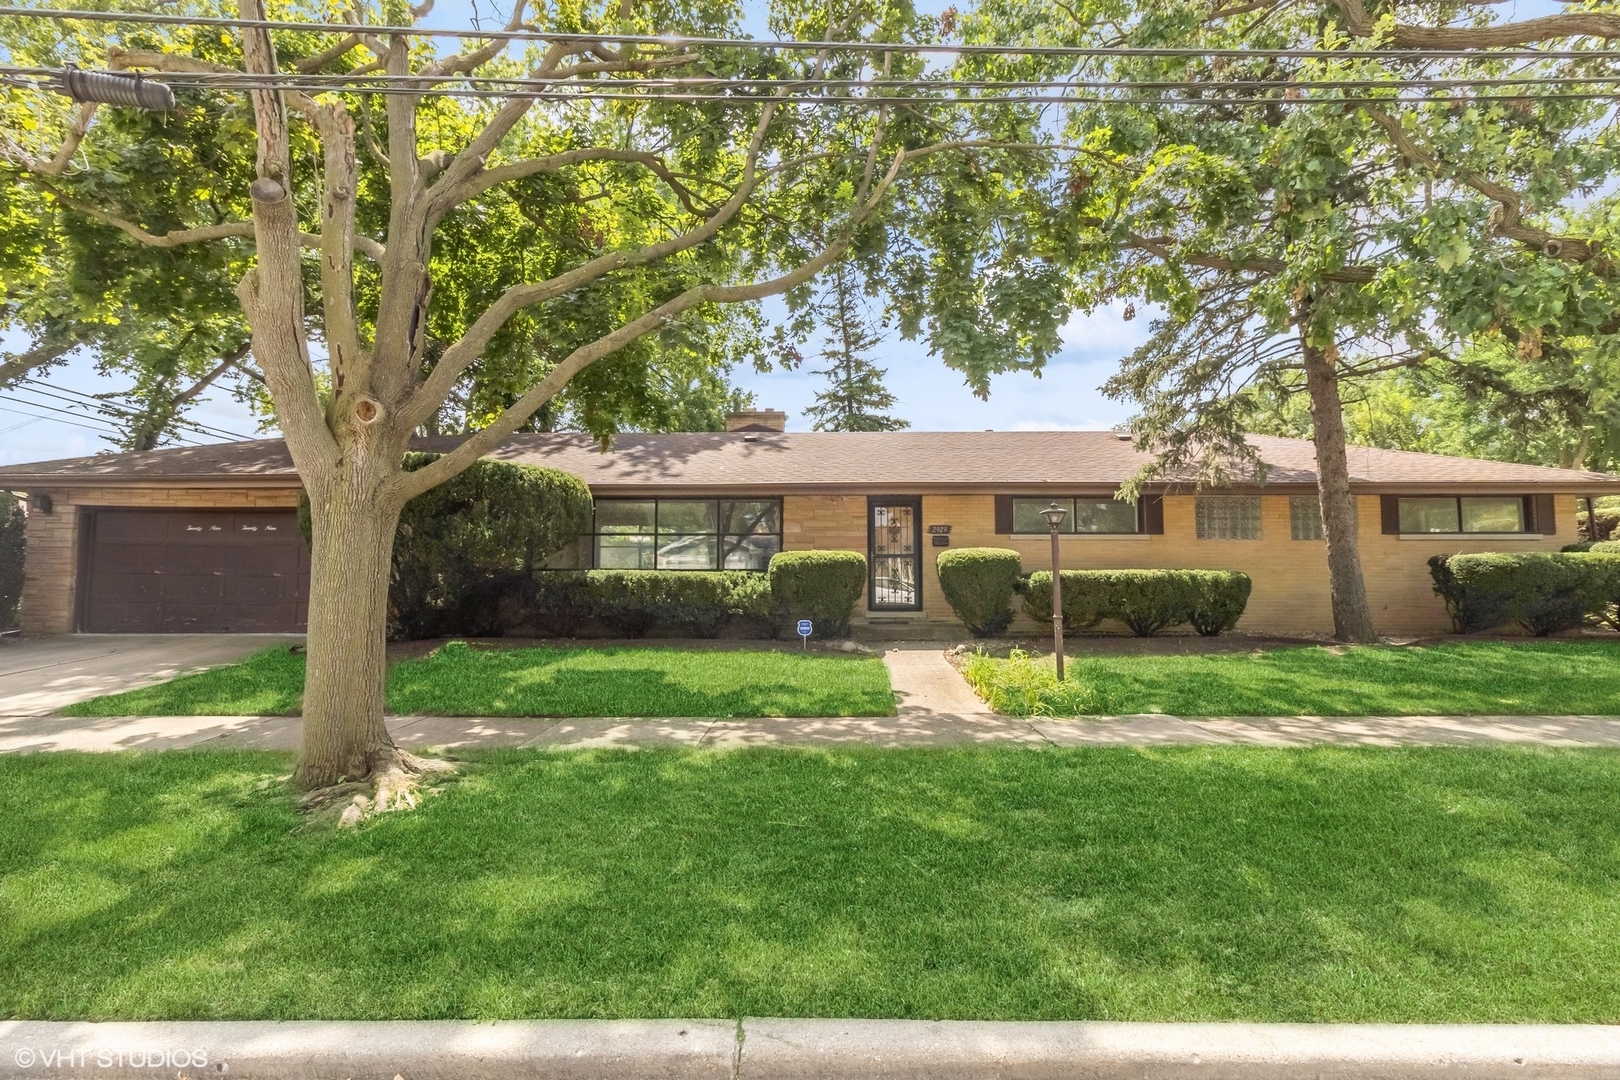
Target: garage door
194 571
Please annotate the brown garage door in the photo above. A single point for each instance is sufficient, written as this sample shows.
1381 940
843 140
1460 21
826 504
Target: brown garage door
194 571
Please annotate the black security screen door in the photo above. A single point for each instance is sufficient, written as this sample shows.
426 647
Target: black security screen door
894 537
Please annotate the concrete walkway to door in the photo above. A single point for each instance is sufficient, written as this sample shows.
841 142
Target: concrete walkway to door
40 675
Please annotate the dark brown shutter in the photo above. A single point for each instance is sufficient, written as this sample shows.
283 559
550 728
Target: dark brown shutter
1543 518
1153 514
1389 512
1004 515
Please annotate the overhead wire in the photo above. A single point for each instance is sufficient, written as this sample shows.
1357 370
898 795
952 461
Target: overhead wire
698 41
39 387
348 80
1208 94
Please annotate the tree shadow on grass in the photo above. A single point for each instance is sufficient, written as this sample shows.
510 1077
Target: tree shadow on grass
1188 883
639 682
1491 678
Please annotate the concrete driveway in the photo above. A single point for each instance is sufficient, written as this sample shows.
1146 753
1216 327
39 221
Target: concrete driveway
40 675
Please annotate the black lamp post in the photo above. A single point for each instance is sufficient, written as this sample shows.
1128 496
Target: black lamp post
1054 516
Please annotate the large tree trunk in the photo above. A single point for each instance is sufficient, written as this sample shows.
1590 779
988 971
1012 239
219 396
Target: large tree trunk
1352 616
344 733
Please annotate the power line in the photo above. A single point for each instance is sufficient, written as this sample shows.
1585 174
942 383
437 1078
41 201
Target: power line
101 430
879 47
876 101
317 81
37 386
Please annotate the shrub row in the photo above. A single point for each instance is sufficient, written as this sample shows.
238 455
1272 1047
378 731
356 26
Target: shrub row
980 583
818 585
1542 591
1146 601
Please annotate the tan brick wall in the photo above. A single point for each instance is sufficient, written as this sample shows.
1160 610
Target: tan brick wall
50 567
1290 576
826 523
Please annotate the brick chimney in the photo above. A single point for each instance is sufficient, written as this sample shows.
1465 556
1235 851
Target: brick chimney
757 420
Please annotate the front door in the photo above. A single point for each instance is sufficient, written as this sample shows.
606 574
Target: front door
894 542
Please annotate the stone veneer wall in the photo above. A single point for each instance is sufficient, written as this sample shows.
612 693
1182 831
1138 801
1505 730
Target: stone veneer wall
49 599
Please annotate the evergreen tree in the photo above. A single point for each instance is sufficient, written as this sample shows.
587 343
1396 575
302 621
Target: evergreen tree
855 398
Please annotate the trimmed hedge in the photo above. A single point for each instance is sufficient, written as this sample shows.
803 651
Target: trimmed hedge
1146 601
979 583
1542 591
695 603
1080 611
821 586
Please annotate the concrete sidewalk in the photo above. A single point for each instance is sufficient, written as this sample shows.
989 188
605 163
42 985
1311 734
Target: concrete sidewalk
791 1049
44 733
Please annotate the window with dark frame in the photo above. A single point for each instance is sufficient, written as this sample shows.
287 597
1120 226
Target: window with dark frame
1446 514
686 534
1084 517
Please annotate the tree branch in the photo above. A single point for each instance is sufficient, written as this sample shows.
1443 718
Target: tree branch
460 355
272 293
485 179
201 235
1509 219
340 181
1598 24
462 63
482 442
326 56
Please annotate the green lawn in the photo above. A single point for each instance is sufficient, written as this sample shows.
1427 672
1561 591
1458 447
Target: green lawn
458 680
1189 883
1484 677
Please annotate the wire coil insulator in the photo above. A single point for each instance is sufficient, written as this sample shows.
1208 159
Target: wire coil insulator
111 88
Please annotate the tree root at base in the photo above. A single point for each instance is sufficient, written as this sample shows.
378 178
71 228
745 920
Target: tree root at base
396 782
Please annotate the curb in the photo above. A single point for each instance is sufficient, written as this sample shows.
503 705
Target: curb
784 1049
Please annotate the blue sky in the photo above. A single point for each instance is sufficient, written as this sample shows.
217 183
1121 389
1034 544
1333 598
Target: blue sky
931 397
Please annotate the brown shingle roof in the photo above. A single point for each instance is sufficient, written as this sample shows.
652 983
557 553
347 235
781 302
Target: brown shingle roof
894 462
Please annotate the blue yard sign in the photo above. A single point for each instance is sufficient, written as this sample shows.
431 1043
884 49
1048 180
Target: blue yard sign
804 632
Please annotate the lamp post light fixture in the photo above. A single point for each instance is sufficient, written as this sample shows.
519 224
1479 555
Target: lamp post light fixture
1054 516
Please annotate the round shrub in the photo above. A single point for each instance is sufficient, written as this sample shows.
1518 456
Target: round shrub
979 584
1217 599
1080 600
1605 547
1146 601
821 586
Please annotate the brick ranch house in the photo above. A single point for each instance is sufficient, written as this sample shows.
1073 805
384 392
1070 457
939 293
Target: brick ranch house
205 538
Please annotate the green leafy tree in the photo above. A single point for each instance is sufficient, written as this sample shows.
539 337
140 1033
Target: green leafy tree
1318 235
544 250
1560 409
